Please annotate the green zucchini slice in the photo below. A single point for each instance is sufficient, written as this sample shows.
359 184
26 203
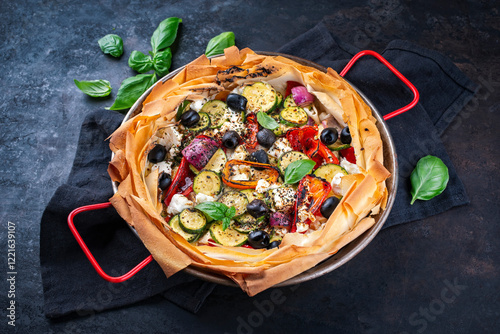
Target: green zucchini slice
289 102
282 128
194 170
329 171
236 199
246 223
251 194
280 99
288 157
229 237
217 161
203 123
216 109
174 223
192 221
260 97
293 116
207 182
338 146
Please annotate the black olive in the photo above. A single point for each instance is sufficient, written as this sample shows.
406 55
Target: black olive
190 118
231 139
274 244
164 181
266 138
257 208
260 156
258 239
329 136
157 154
236 102
345 136
329 206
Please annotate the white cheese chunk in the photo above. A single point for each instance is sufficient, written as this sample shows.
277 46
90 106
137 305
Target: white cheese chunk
200 198
280 146
178 203
349 167
302 227
197 105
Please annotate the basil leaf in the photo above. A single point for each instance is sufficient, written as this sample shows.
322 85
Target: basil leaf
162 61
225 223
428 179
231 212
181 109
295 171
217 44
165 34
140 62
266 121
94 88
131 89
111 44
215 210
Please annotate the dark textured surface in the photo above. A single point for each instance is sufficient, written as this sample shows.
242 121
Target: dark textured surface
389 287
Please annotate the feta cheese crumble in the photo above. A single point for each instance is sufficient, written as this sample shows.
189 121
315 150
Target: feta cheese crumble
280 146
349 167
178 203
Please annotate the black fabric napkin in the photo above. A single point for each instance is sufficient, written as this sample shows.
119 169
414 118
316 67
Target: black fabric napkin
444 91
72 285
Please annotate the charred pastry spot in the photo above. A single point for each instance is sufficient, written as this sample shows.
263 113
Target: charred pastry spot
362 149
366 129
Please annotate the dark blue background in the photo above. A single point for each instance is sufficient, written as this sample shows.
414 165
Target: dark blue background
45 45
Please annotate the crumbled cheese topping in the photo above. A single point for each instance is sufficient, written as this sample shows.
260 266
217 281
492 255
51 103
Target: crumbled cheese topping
178 203
337 179
302 227
197 105
200 198
280 146
283 198
349 167
163 167
263 186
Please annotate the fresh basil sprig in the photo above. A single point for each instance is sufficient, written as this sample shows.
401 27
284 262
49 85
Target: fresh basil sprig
295 171
131 89
140 62
428 179
111 44
165 34
266 121
217 44
218 211
94 88
162 61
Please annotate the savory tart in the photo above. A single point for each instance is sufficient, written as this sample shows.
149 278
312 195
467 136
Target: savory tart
252 166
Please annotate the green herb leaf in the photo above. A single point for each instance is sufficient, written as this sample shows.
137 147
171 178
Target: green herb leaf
214 210
140 62
225 223
219 43
111 44
165 34
94 88
162 61
295 171
231 212
131 89
428 179
181 109
266 121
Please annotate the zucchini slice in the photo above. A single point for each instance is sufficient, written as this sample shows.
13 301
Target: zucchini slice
217 161
293 116
216 109
202 124
329 171
174 223
289 102
251 194
338 146
260 97
229 237
246 223
236 199
207 182
194 170
280 99
288 157
282 128
192 221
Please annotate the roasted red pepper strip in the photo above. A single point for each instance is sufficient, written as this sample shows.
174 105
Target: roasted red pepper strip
271 172
253 128
178 181
187 191
327 154
349 155
311 194
305 139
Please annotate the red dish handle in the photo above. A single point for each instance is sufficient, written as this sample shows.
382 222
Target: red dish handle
89 255
395 71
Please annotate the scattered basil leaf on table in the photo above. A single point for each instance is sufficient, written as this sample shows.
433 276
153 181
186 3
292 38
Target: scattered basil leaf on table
111 44
266 121
295 171
140 62
131 89
218 211
165 34
162 61
428 179
217 44
94 88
